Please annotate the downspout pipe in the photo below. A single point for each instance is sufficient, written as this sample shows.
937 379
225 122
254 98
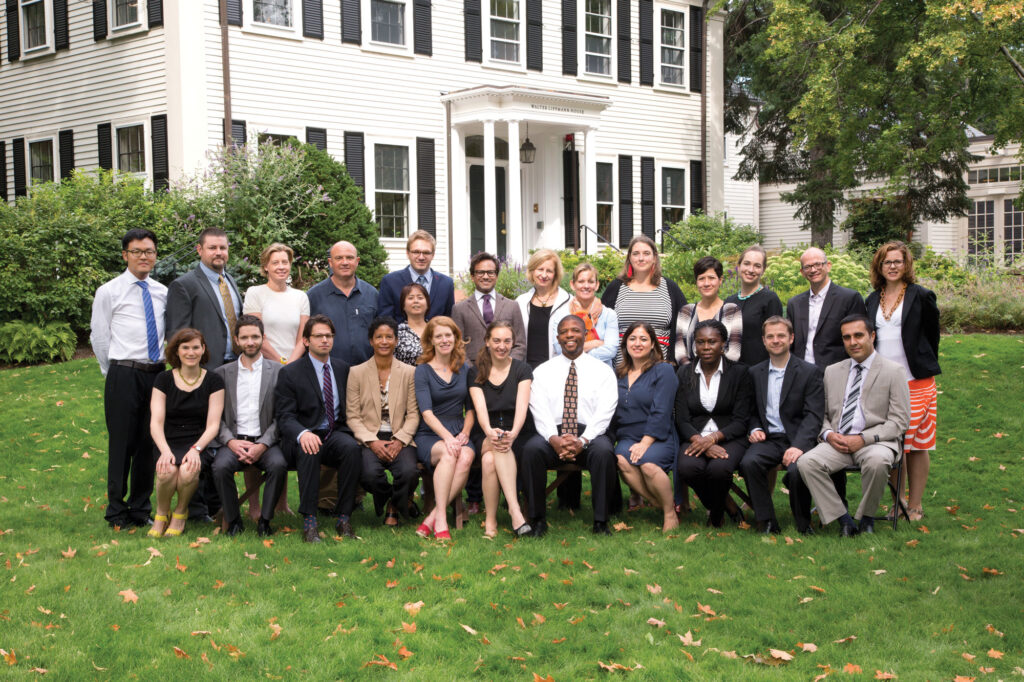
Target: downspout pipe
225 68
448 180
704 104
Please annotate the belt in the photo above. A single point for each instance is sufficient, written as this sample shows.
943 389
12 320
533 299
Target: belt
151 367
251 439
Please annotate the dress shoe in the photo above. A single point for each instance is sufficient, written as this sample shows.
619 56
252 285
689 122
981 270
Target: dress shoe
234 528
201 518
807 530
311 535
848 531
473 508
263 528
867 525
380 502
736 516
344 529
117 524
540 528
140 523
522 530
770 527
413 510
601 528
391 517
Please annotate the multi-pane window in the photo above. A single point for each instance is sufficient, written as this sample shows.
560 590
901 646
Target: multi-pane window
673 195
41 161
391 189
276 139
505 30
981 231
605 200
131 149
33 23
1013 232
277 12
126 12
673 44
1001 174
598 36
387 22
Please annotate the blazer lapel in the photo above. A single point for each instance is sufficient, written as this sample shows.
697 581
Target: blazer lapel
826 305
761 388
476 308
787 380
230 379
206 288
836 393
310 371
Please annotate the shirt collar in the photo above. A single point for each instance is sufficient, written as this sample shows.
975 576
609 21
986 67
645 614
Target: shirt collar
480 295
720 370
779 370
429 274
257 365
319 366
127 274
210 273
824 290
867 361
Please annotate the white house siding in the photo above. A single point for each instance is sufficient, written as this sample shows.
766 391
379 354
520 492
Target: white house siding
741 196
116 81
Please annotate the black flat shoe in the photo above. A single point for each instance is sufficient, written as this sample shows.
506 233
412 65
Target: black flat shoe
263 528
601 528
522 530
540 528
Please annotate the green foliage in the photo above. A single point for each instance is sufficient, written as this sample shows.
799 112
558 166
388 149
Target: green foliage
702 235
988 301
607 261
938 267
24 342
784 278
511 280
872 223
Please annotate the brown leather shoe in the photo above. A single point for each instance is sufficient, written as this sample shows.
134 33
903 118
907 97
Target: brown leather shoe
311 535
344 529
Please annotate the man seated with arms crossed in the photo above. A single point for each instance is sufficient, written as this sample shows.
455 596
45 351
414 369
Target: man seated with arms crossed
867 410
248 430
572 401
310 406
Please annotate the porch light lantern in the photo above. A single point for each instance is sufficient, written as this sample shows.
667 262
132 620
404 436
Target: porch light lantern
527 151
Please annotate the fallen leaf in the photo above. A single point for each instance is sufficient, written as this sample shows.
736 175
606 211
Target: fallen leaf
992 653
538 619
629 571
991 571
180 653
655 622
391 584
69 553
963 678
538 678
852 669
780 654
468 629
714 591
730 654
879 675
412 608
268 543
806 599
9 657
153 552
913 543
200 633
968 657
654 589
561 605
178 565
129 595
41 671
688 639
218 584
991 629
817 589
621 526
844 640
408 627
522 623
382 661
703 608
250 557
880 571
404 653
807 646
275 631
986 670
691 537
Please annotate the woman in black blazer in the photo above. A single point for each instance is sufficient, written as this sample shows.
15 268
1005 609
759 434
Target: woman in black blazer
906 319
712 408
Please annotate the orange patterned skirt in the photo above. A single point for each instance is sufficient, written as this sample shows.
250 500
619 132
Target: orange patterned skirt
924 405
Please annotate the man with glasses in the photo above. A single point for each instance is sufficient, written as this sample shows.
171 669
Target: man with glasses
485 306
351 304
420 249
128 338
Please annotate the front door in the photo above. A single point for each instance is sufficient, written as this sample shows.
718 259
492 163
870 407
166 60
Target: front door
477 239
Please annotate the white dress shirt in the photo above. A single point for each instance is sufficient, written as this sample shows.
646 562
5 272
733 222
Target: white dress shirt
480 300
247 399
119 319
709 393
597 389
857 425
814 303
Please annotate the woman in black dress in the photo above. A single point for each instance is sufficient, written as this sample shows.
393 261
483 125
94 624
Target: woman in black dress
756 301
500 388
185 413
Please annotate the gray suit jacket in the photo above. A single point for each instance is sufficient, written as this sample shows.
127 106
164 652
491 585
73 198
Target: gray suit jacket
268 423
469 319
884 400
191 302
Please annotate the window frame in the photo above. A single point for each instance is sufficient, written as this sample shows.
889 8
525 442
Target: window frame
370 181
659 178
585 74
520 42
47 46
116 128
140 24
54 159
293 32
371 45
613 225
684 85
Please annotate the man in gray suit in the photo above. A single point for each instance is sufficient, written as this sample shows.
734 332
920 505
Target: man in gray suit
248 430
486 305
867 410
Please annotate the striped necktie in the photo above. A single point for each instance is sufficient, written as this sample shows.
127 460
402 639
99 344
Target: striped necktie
850 406
329 397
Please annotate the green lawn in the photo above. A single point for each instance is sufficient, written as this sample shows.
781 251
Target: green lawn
934 600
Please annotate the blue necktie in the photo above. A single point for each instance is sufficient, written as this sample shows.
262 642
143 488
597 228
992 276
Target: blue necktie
152 338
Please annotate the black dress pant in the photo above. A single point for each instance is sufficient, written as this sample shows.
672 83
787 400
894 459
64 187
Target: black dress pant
598 458
338 450
131 464
711 478
404 476
226 464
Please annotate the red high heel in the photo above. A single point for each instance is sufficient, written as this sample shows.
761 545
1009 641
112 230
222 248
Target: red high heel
443 536
424 530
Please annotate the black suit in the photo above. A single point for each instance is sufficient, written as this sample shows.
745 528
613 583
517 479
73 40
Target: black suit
192 302
828 340
801 410
919 329
299 404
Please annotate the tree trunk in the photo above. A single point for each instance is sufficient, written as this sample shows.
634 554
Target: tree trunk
822 204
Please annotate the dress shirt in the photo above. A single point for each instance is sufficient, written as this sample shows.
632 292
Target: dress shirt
351 315
214 278
480 300
776 376
814 303
857 425
119 319
597 389
319 367
247 399
709 393
428 275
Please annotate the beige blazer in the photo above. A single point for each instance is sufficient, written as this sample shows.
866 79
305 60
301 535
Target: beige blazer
884 400
362 402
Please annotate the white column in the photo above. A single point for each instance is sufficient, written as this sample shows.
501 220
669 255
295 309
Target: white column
460 210
514 239
490 198
187 107
589 199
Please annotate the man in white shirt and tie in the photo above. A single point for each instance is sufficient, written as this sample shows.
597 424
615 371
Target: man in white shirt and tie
128 338
573 400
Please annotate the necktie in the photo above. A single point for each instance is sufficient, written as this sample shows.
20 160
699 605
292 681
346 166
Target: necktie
229 310
329 397
422 281
850 406
488 310
152 338
569 418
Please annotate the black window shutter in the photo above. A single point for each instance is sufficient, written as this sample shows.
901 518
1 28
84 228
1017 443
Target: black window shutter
3 171
625 54
646 9
66 150
625 200
237 133
20 179
317 137
313 19
99 19
568 37
474 44
60 25
696 187
426 210
158 133
155 13
354 158
535 35
234 12
696 48
351 31
422 31
647 195
13 31
103 146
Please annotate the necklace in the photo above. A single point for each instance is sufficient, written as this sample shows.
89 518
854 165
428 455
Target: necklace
186 381
899 299
743 298
543 301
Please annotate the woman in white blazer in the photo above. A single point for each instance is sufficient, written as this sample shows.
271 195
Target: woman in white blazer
543 305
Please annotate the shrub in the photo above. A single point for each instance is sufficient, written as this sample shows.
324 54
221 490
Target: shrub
784 278
701 235
989 302
511 280
873 222
24 342
941 268
608 262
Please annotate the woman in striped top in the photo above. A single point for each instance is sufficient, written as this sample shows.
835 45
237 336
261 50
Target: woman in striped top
708 273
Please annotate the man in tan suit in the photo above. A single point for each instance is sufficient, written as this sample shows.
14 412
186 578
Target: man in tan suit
486 305
867 410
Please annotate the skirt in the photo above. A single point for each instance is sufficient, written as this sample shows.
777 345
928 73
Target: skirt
924 406
426 438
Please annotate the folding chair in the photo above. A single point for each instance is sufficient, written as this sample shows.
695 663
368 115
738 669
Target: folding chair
897 499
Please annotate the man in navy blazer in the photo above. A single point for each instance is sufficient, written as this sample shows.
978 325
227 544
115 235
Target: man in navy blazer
420 249
816 313
310 406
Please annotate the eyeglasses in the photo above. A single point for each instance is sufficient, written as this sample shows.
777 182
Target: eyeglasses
892 263
814 266
485 273
422 253
149 253
321 337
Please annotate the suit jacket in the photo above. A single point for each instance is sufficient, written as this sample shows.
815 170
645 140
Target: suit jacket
732 407
299 399
470 320
884 400
828 340
442 294
268 422
801 403
191 302
920 329
362 402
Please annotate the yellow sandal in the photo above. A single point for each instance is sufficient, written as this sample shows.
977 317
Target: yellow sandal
177 531
153 532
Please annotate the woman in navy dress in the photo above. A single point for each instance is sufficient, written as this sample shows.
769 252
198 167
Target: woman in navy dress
647 442
442 441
